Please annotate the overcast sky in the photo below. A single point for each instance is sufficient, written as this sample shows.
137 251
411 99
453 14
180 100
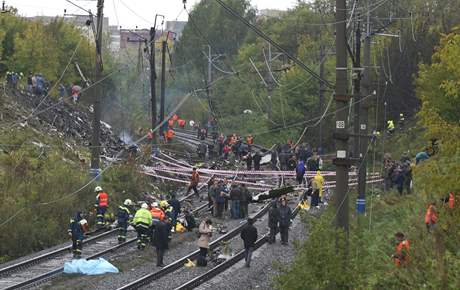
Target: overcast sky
128 13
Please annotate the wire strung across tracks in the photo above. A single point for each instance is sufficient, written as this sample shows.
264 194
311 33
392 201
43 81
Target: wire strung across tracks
36 270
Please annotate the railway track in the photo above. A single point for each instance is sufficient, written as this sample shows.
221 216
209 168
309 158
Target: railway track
48 266
43 267
220 268
179 263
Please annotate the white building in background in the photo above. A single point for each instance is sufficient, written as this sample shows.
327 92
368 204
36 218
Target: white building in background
115 38
80 22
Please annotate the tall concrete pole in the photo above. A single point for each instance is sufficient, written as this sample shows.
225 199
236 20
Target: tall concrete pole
341 160
95 152
164 43
153 77
364 112
322 55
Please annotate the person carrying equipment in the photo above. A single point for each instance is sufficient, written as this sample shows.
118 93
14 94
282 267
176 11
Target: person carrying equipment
123 217
143 222
194 180
401 255
102 202
77 229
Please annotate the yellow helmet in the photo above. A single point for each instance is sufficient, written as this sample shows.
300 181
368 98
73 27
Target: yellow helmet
164 204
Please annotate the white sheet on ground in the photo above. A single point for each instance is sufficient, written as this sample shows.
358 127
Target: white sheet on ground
89 267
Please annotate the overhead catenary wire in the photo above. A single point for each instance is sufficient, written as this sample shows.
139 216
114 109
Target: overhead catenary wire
270 69
58 80
317 123
102 171
275 44
135 13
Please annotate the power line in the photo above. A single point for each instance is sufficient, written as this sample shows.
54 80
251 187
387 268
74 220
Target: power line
275 44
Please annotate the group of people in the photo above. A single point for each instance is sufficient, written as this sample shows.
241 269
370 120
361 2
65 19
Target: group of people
37 84
401 256
279 221
221 193
289 155
398 173
391 124
154 223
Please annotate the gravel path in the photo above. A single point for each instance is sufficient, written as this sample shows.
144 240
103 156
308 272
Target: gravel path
262 271
134 264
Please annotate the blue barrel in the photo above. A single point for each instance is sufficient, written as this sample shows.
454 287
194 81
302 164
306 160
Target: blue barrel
95 173
360 205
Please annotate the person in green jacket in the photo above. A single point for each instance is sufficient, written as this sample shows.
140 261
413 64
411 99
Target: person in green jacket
143 221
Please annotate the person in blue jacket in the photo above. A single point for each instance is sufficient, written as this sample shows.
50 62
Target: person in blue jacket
77 228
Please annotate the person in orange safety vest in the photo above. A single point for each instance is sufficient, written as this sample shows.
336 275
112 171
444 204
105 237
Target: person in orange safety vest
451 200
157 213
102 202
430 217
401 255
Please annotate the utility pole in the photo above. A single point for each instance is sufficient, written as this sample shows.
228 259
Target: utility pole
164 43
356 91
322 56
208 87
97 92
269 83
341 136
364 112
153 77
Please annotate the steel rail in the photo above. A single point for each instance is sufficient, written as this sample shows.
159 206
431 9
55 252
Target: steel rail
46 256
147 279
48 275
197 281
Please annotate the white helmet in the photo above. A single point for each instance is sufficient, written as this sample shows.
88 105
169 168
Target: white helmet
128 202
97 189
154 204
144 205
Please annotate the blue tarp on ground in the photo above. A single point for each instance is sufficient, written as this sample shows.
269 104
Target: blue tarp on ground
89 267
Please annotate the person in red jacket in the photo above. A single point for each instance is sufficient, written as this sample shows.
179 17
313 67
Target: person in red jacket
194 180
451 200
430 217
401 255
102 202
181 123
